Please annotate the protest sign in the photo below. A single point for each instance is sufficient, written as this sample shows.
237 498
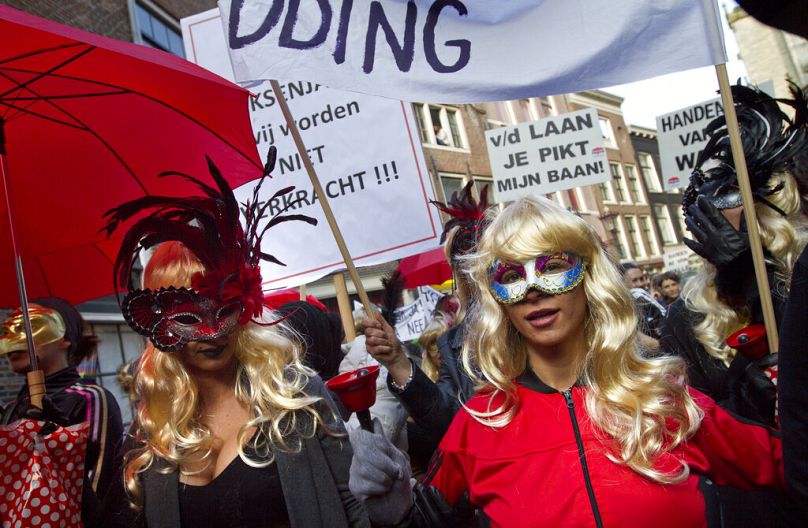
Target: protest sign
367 154
469 50
411 319
553 154
681 138
676 258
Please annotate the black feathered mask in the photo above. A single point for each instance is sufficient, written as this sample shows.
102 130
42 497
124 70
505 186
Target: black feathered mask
229 293
770 142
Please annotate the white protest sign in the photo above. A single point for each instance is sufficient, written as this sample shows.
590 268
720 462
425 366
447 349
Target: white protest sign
681 138
463 51
553 154
368 157
411 320
676 259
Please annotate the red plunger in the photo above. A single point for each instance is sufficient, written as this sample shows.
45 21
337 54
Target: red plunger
750 341
357 392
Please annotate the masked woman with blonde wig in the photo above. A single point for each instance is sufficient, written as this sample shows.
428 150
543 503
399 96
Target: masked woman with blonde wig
724 298
231 428
573 426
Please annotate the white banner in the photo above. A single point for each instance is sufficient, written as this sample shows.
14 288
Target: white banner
681 137
548 155
470 50
368 157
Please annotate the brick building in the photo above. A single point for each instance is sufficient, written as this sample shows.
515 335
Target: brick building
622 202
665 205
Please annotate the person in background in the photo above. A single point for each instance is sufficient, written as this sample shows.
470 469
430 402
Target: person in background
668 286
61 343
387 409
441 136
321 336
650 312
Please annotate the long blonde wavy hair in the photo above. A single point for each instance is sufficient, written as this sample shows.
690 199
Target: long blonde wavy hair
629 397
428 341
784 245
270 381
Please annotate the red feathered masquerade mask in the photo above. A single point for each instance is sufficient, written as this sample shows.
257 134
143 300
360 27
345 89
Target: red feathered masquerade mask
468 216
229 292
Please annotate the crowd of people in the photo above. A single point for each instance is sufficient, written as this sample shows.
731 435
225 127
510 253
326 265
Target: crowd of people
553 387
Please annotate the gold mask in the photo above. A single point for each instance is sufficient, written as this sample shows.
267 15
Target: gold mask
46 324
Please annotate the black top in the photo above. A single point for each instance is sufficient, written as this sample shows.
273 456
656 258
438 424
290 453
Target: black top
240 497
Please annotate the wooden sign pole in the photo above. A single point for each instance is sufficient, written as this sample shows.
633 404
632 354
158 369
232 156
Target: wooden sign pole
329 215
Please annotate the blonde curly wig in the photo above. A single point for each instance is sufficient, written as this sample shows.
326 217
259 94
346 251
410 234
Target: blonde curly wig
270 382
629 398
783 244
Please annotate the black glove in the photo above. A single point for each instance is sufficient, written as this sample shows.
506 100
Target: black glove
716 239
750 393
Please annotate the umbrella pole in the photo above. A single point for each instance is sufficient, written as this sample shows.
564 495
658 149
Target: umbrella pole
329 215
748 208
36 378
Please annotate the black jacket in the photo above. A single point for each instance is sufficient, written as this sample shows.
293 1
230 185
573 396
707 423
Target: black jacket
76 401
314 481
432 405
793 383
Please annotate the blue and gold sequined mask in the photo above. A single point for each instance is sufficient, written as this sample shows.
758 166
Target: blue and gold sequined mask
552 274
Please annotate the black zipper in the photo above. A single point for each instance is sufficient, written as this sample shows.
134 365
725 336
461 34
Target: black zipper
578 440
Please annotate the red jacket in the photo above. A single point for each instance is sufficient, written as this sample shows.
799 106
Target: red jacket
530 473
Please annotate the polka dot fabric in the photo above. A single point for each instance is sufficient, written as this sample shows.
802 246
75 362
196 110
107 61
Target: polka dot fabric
41 477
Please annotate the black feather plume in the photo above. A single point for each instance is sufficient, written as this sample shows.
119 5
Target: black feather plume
393 288
770 142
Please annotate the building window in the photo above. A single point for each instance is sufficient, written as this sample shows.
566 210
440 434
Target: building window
606 132
648 233
634 185
648 171
614 228
664 225
605 194
479 183
451 183
633 237
156 29
441 125
617 182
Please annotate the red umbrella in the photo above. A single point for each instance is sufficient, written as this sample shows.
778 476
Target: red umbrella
87 123
90 122
425 268
276 299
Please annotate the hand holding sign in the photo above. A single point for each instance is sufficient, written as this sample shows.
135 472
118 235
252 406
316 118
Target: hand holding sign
381 343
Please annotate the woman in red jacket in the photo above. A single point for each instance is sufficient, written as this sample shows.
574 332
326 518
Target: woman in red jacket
572 425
